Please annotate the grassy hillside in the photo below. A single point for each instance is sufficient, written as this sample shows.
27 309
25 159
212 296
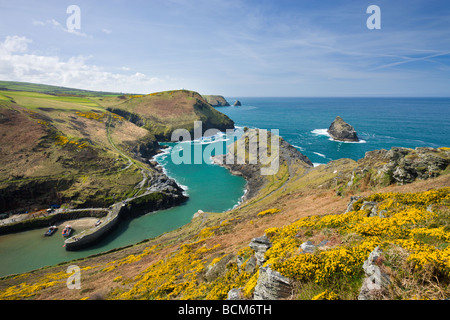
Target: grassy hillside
64 146
54 90
163 112
211 255
63 151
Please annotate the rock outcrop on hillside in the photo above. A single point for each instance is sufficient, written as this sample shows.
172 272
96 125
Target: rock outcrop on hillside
260 245
376 280
402 165
271 285
342 131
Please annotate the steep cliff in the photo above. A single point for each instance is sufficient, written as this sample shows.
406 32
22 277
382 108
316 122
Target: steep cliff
163 112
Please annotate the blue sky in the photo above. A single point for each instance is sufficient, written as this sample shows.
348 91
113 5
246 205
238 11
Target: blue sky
231 47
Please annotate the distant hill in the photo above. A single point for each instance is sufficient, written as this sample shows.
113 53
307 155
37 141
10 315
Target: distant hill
163 112
49 89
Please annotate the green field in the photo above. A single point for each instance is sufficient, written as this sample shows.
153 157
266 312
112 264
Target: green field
42 88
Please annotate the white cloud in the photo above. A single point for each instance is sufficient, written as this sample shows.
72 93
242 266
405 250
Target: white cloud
15 44
107 31
58 26
17 65
38 23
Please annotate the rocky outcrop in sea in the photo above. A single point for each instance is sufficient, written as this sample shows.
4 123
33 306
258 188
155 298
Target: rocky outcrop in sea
342 131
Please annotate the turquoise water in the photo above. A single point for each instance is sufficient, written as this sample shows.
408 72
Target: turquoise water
381 123
210 188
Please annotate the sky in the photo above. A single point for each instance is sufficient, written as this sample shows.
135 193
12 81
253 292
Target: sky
235 48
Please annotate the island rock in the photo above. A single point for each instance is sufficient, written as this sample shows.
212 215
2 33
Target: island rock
342 131
237 103
216 101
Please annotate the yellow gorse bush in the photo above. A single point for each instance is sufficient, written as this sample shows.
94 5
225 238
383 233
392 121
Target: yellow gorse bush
27 290
326 264
326 295
62 141
418 198
406 219
91 115
268 211
168 278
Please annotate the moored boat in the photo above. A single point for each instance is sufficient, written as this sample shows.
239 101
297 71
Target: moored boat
51 230
67 231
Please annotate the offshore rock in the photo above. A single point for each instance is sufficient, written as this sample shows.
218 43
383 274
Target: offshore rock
237 103
342 131
271 285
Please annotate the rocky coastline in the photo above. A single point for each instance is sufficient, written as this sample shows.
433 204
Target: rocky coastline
288 155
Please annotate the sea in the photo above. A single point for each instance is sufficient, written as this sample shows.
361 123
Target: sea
381 123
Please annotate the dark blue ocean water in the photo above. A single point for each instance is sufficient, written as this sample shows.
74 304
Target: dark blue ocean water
381 123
